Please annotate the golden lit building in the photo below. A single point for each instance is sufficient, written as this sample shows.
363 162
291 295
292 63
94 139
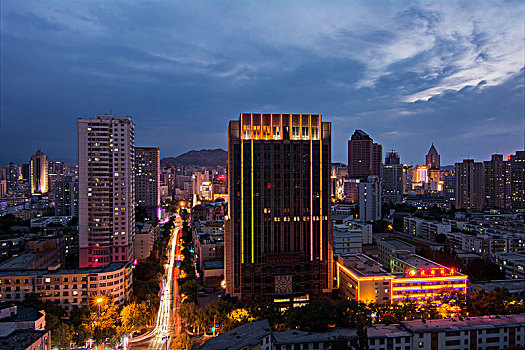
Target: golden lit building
39 173
362 278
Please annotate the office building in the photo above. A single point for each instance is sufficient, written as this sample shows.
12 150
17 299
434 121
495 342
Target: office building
347 240
497 182
106 198
388 248
517 164
39 173
364 156
392 178
147 180
470 192
278 239
370 200
66 196
432 162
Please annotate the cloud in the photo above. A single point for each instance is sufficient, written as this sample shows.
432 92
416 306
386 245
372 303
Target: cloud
405 72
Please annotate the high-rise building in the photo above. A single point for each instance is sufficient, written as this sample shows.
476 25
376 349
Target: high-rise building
497 182
449 188
147 179
106 196
39 173
470 192
13 173
432 158
392 178
370 200
517 165
66 196
364 156
278 241
433 164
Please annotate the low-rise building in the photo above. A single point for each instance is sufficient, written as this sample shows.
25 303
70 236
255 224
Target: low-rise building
250 336
22 326
388 248
68 288
346 240
145 240
414 278
513 264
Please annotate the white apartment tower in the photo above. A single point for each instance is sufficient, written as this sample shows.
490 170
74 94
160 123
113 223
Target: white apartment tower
106 198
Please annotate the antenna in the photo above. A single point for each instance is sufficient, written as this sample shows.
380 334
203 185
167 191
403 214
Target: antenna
110 112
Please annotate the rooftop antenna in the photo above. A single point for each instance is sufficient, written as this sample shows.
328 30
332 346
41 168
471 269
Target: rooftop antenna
110 112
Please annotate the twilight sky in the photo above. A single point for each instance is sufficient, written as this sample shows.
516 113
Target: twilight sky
408 73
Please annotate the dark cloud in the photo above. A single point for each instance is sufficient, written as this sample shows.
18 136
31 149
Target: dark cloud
407 74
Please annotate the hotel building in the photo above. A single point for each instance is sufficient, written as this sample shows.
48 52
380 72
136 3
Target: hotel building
414 278
106 199
278 239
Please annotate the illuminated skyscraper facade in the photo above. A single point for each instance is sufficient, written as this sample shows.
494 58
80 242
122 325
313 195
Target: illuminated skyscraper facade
39 173
106 198
278 241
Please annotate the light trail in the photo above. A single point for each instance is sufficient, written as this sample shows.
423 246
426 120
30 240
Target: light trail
163 325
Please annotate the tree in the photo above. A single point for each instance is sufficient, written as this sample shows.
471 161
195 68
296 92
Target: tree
134 316
62 335
181 342
188 313
480 269
314 317
189 289
102 319
496 302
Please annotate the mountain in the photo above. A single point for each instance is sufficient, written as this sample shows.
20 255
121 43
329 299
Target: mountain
204 157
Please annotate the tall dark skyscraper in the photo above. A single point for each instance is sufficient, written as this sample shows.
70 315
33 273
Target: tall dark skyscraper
392 178
278 241
470 192
364 156
147 180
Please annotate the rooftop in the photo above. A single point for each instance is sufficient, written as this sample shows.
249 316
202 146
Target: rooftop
295 336
389 331
110 268
24 312
453 324
240 337
22 338
396 243
361 265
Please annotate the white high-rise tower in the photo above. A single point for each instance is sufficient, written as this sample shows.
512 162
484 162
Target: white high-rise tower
106 199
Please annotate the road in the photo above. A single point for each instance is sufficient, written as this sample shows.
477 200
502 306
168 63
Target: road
168 323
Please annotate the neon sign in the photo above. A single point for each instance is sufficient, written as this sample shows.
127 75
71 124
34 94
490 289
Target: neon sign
432 272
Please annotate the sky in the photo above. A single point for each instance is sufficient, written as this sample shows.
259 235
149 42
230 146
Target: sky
407 73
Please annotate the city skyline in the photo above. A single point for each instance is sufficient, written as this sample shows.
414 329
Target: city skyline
403 73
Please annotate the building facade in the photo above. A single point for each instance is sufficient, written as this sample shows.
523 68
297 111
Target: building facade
66 196
517 163
147 180
470 192
497 182
278 239
392 178
39 177
370 200
364 156
106 159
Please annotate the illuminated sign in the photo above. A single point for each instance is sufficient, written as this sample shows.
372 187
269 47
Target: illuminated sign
432 272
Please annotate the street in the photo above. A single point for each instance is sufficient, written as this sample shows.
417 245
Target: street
168 323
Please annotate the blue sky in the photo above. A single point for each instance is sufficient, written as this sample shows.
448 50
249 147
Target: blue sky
408 73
